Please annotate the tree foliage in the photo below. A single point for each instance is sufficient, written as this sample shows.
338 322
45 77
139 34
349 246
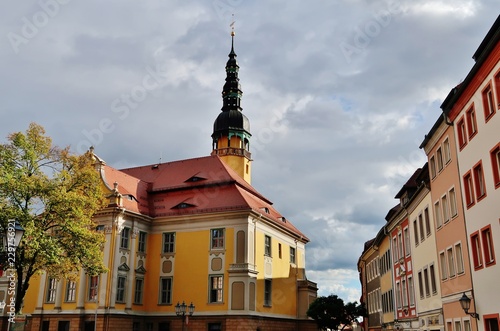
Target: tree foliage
331 313
53 194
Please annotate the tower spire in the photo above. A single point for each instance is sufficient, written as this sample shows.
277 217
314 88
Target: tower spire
231 135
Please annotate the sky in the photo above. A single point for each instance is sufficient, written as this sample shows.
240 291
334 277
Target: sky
339 94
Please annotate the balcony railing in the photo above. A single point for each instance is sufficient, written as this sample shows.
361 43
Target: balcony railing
242 267
232 151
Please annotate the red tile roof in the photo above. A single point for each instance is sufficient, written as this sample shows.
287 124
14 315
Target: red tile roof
188 187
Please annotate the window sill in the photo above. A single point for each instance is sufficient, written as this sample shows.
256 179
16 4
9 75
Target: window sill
489 116
167 255
481 197
217 251
490 263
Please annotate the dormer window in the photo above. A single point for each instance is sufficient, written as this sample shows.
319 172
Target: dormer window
183 205
404 199
265 210
194 179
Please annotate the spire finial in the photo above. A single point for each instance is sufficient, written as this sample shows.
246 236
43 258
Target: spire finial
232 37
232 26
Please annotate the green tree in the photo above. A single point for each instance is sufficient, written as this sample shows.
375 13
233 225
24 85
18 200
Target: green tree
331 313
53 194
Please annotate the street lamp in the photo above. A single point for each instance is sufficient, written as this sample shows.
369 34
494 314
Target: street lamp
184 311
465 303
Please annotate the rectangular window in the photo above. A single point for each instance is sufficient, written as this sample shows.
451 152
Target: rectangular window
268 290
51 290
442 262
432 166
451 262
459 258
292 255
398 295
165 290
489 252
164 326
70 291
120 289
458 326
136 326
415 232
439 157
437 210
433 279
407 241
63 326
476 250
125 238
488 103
400 245
495 165
216 287
141 247
471 122
411 291
217 238
404 292
421 226
453 202
480 186
469 189
395 249
214 326
92 288
467 325
427 221
420 284
446 150
279 250
444 205
426 282
491 322
139 284
462 136
169 242
267 245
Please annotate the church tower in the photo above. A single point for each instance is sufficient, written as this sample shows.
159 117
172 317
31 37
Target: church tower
231 135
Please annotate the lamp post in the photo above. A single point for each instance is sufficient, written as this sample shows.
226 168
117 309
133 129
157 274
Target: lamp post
184 311
11 238
465 303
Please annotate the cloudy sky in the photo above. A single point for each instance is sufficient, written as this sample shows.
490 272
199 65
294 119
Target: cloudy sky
339 94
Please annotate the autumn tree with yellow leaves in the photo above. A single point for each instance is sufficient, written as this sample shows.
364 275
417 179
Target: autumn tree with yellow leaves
53 194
